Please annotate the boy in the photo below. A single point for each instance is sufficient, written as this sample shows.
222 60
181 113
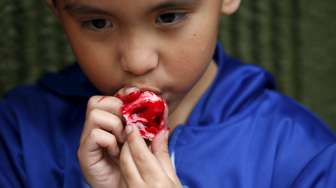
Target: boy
229 128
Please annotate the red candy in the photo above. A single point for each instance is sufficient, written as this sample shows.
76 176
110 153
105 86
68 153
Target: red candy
145 110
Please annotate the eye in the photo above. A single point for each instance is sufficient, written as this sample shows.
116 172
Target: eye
170 18
98 24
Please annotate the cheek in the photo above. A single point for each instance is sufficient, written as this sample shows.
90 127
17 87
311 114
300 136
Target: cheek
102 71
190 60
186 69
98 63
95 57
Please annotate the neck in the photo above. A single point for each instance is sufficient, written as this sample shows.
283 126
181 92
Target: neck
182 112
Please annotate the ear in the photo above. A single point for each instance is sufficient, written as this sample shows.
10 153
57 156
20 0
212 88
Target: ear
230 6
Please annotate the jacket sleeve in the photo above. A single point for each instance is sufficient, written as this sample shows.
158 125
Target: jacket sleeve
12 172
320 172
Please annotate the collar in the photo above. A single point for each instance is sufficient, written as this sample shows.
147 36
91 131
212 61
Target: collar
235 88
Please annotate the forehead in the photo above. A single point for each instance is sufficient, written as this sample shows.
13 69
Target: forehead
145 2
135 7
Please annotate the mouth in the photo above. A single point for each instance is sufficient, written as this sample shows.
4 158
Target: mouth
145 88
160 92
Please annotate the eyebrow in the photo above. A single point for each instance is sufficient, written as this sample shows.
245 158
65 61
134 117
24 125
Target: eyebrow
167 4
84 9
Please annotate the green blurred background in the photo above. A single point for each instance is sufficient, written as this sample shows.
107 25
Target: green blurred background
294 39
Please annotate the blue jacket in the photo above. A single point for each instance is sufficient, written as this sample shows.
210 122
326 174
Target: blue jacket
241 134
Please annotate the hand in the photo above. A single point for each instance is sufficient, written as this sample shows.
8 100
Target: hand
98 152
146 167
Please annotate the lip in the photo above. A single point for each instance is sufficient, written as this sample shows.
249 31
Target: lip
146 88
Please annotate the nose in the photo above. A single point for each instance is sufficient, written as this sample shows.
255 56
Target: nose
138 58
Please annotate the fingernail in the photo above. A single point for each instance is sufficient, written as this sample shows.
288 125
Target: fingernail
129 129
101 99
163 135
130 90
166 134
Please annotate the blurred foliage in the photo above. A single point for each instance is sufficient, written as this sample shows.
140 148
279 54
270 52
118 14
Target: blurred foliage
294 39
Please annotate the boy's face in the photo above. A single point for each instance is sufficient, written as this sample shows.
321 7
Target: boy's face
160 45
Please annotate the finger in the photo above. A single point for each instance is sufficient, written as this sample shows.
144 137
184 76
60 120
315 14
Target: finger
160 150
127 90
106 103
92 148
128 168
165 113
104 120
145 161
128 94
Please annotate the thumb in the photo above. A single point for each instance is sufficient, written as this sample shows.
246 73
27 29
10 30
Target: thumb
160 150
159 144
